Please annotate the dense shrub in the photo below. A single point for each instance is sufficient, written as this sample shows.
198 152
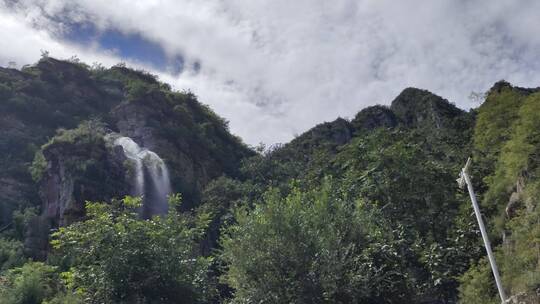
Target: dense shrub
33 283
115 257
314 247
11 254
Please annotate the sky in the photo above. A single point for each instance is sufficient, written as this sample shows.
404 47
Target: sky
275 68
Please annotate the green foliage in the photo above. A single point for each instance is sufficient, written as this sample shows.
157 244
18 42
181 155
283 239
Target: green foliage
115 257
39 165
478 286
313 247
520 267
87 133
137 89
66 298
518 156
405 174
508 142
33 283
390 228
11 246
416 190
21 218
494 123
495 116
5 91
393 170
219 199
11 254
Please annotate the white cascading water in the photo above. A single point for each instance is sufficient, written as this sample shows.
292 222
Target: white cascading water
151 177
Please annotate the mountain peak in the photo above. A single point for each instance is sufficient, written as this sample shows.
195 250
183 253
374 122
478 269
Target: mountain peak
415 107
374 117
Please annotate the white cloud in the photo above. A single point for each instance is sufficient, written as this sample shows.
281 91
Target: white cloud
23 44
276 68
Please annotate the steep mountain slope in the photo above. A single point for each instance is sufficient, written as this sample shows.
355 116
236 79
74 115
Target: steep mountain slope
402 159
507 143
52 94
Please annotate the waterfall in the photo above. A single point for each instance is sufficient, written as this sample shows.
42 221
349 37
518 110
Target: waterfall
151 177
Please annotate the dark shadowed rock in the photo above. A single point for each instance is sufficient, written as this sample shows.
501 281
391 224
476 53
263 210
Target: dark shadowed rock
329 134
501 85
193 141
421 108
80 167
36 242
374 117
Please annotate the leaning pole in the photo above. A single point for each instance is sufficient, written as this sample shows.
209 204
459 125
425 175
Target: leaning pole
462 180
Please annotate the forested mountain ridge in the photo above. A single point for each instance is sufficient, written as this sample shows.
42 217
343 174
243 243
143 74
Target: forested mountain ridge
52 94
359 211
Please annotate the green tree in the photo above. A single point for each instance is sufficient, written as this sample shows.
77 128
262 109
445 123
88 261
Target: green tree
115 257
33 283
11 253
313 247
404 175
478 286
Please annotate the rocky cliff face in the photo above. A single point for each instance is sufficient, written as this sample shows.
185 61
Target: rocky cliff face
374 117
419 108
75 166
78 165
192 166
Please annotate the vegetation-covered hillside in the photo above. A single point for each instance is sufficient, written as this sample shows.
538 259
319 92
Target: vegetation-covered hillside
359 211
41 100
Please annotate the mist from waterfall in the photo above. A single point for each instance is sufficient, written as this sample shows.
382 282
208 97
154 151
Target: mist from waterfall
151 177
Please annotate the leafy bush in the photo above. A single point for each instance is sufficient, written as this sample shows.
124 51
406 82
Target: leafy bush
518 157
494 120
11 254
33 283
520 267
39 165
137 89
313 247
478 285
21 218
115 257
507 138
87 132
5 92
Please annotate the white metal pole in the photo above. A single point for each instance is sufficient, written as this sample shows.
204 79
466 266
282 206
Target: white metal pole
491 258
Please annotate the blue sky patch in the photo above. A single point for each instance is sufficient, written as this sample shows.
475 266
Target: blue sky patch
127 46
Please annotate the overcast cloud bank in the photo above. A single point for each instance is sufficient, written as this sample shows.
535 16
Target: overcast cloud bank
276 68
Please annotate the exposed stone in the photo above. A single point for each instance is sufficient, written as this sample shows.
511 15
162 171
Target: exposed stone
516 197
192 165
524 298
335 133
416 108
374 117
132 121
501 85
78 172
36 242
